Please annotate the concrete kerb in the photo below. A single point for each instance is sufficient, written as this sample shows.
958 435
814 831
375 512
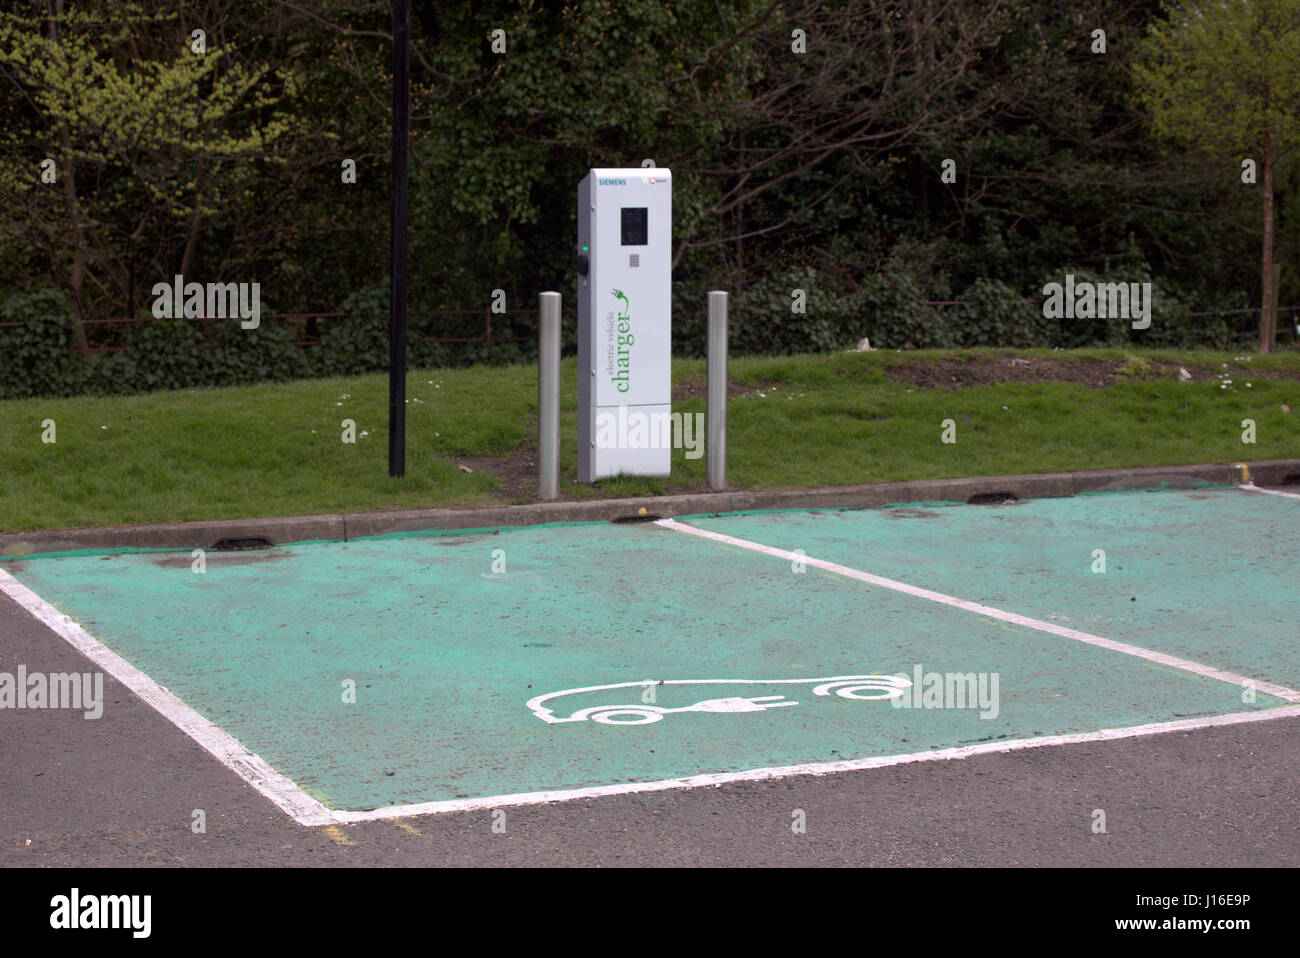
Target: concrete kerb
281 531
177 535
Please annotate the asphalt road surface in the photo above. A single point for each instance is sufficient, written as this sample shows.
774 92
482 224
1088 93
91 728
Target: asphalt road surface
123 790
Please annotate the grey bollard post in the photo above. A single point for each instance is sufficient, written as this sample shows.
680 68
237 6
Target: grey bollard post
715 448
548 397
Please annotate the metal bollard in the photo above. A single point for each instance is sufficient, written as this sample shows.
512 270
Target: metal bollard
715 449
548 397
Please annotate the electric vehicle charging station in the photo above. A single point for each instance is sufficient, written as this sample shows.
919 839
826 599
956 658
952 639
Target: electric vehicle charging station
624 322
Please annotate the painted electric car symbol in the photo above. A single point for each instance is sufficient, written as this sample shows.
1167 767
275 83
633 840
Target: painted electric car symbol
859 687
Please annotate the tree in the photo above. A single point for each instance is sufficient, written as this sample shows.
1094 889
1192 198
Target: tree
1225 77
151 137
768 113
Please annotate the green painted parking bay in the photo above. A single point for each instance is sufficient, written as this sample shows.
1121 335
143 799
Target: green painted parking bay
427 668
1209 574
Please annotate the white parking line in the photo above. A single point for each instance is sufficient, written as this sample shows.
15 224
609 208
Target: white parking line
306 810
818 768
223 746
1172 661
1251 487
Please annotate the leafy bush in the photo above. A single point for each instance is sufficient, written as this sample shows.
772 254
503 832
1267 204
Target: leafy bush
897 316
163 354
891 308
266 353
766 323
1172 324
358 341
761 319
35 354
994 314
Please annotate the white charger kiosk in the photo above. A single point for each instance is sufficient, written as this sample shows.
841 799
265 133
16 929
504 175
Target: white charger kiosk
624 323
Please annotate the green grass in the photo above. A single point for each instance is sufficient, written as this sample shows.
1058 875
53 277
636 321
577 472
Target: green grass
276 450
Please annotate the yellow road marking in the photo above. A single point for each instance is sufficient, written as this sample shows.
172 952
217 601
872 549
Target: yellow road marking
338 834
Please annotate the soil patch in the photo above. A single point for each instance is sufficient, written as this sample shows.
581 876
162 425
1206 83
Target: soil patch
1095 374
699 389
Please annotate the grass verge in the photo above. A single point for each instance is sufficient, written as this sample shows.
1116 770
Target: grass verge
819 420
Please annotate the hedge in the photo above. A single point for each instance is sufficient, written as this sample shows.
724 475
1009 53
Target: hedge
890 308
